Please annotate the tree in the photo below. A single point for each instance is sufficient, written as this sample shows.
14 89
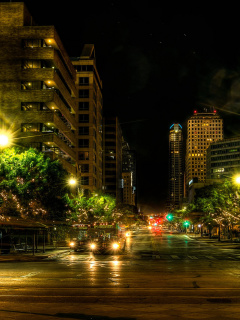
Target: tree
31 184
220 203
97 208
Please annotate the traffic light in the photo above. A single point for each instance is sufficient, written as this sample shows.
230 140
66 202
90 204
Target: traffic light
169 216
186 223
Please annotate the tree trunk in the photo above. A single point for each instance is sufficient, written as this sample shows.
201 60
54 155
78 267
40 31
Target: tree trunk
219 233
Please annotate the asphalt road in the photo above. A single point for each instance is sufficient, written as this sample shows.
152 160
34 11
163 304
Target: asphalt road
163 276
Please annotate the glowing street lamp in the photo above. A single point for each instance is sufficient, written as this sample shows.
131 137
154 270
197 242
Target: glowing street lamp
237 179
72 181
4 140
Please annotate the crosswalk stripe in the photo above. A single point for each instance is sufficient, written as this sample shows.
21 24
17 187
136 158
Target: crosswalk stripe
210 257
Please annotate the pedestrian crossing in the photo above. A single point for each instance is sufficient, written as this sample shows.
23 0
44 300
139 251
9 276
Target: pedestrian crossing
151 256
189 257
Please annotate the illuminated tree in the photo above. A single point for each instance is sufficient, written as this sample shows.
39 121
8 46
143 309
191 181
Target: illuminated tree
96 208
31 184
220 203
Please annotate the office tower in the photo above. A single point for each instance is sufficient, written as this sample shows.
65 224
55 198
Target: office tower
202 129
112 158
223 158
176 167
89 119
128 192
37 86
129 173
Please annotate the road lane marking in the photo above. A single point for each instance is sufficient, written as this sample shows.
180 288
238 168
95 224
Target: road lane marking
193 257
174 257
210 257
31 274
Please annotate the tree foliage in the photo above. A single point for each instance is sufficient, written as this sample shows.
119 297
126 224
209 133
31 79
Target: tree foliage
31 184
96 208
219 204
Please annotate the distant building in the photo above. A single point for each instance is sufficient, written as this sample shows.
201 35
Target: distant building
128 193
223 158
89 120
37 86
176 167
112 158
129 167
202 129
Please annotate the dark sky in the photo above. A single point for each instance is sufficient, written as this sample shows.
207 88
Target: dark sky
158 63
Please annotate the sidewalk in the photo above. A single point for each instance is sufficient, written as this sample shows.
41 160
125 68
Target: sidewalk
225 243
51 252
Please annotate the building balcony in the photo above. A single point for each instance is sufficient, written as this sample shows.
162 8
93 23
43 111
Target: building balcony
48 79
52 58
51 140
51 38
49 119
52 99
68 166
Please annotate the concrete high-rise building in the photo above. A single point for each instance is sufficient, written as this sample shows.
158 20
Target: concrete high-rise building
223 158
37 85
176 167
112 158
128 192
129 167
202 129
89 120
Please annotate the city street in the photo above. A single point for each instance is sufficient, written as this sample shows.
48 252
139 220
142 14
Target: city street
162 276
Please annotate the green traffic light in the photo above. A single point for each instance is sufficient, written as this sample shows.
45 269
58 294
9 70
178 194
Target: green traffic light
169 217
186 223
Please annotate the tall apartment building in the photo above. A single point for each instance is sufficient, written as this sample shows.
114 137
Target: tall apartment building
128 192
129 172
223 158
202 129
37 85
112 158
89 120
176 167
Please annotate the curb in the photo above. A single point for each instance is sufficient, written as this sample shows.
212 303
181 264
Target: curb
30 257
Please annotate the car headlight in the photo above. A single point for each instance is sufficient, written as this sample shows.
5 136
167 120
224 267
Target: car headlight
115 245
128 234
72 244
92 246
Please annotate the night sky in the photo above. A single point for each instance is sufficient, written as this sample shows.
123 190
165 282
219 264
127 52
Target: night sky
158 63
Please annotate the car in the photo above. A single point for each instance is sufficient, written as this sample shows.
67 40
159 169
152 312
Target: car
79 245
99 245
108 245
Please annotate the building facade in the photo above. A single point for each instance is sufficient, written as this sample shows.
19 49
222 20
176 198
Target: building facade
129 172
128 192
37 86
223 158
176 167
202 129
89 121
112 158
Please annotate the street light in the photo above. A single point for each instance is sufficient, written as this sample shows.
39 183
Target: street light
72 181
5 139
237 179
